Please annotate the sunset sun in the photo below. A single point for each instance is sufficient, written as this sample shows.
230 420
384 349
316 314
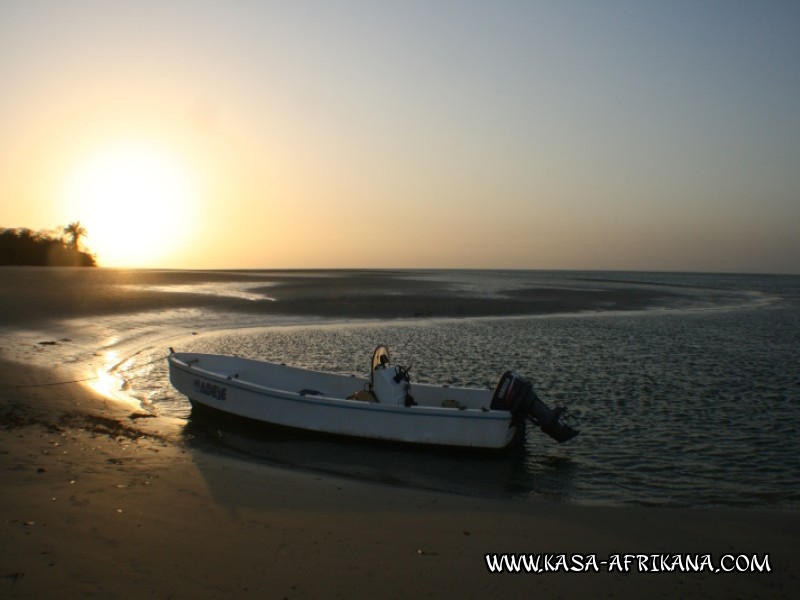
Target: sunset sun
135 199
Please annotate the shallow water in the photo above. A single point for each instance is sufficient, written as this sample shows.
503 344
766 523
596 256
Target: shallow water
696 404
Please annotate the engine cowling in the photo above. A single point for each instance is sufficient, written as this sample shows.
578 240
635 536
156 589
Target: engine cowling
516 395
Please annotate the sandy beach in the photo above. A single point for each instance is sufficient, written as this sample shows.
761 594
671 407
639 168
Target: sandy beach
100 499
356 294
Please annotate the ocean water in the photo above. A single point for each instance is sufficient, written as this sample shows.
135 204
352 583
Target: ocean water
694 403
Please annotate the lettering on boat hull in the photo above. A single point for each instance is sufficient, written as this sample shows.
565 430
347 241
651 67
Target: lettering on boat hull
211 390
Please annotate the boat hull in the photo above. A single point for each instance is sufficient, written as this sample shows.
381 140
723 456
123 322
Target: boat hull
221 383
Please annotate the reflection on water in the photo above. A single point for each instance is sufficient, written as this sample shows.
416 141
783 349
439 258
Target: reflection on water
240 290
106 381
504 473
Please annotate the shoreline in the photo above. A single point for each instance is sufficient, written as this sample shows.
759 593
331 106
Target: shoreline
98 500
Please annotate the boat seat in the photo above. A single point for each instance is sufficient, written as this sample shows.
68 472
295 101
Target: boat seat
363 396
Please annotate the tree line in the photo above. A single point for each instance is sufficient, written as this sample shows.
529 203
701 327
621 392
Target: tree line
21 246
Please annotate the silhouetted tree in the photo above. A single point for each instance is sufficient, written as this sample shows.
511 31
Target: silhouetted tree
22 246
75 231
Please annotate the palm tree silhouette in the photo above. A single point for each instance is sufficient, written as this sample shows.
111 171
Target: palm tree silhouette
75 231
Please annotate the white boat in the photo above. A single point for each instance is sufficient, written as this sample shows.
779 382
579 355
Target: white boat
385 406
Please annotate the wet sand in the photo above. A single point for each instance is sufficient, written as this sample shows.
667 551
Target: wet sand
30 295
100 499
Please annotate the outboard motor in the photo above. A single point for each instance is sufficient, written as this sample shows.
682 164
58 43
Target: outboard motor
516 395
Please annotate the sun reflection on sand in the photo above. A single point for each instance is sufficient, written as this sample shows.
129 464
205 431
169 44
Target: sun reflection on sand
108 382
238 290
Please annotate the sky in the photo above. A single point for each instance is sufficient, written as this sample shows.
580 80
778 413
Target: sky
616 135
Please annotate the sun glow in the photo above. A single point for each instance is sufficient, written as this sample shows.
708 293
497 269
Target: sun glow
135 199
